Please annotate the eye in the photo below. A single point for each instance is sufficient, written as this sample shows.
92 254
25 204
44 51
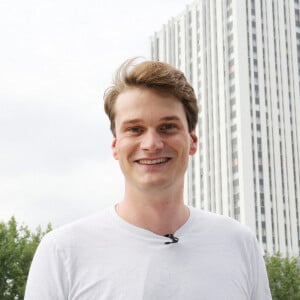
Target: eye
135 130
167 127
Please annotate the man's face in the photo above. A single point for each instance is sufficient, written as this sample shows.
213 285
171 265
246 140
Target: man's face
152 141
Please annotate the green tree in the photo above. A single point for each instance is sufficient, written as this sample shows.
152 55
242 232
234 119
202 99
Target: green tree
17 247
284 277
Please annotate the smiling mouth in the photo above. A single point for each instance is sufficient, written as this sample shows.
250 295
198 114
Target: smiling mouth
153 161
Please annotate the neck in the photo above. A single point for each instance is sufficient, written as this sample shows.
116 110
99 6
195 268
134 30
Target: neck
162 213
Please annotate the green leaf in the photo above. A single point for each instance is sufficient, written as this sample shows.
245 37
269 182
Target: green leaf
17 247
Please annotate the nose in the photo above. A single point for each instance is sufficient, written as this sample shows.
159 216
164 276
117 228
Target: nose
151 141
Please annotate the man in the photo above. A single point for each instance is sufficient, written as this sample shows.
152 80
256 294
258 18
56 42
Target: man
150 245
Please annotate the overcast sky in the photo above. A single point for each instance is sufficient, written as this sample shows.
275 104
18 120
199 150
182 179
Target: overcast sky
56 59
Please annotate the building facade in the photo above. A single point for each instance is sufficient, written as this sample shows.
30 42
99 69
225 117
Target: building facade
243 60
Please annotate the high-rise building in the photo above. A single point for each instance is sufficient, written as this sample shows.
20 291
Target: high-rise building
243 60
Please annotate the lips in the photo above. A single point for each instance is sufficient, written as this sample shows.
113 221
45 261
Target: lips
152 161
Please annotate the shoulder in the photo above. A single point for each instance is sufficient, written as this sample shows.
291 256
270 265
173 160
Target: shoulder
225 233
81 231
220 225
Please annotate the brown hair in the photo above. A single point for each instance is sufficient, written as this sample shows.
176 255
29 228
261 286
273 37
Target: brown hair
158 76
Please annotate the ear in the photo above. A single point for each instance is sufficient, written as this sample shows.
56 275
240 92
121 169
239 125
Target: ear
194 143
114 149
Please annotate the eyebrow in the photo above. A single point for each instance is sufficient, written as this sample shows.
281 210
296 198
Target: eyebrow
135 121
132 121
170 118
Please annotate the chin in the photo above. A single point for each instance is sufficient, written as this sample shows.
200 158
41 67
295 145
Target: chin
155 184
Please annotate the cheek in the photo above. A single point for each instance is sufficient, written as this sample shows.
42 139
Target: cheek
123 147
181 145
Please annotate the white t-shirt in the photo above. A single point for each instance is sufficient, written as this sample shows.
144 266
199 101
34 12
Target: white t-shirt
104 257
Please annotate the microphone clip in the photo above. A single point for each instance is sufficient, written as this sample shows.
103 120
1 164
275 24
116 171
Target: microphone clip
172 237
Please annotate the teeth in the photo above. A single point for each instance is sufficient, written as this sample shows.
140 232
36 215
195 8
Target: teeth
152 161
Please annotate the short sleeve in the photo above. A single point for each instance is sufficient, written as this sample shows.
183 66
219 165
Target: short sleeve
261 289
48 278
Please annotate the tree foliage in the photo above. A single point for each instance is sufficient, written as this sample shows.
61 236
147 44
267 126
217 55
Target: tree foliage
17 247
284 277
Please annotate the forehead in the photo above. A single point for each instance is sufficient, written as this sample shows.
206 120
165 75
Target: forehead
139 97
145 103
